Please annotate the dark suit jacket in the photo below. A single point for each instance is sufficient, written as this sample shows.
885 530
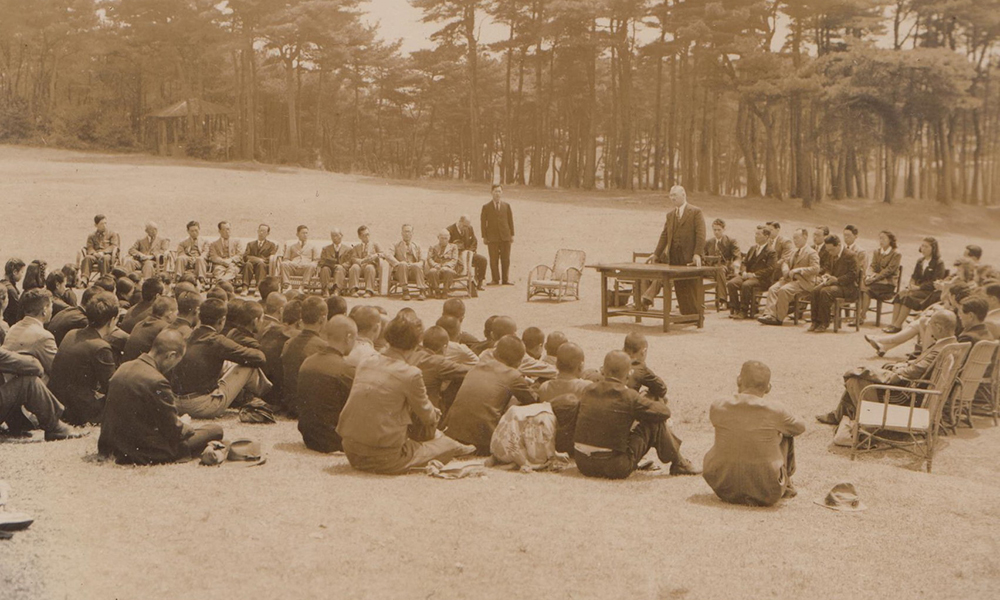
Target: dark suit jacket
329 257
642 377
255 248
207 350
438 371
761 264
82 368
66 321
489 388
142 336
976 334
295 352
272 342
680 241
496 225
324 384
885 267
726 248
465 239
140 417
607 411
845 270
12 314
136 315
923 274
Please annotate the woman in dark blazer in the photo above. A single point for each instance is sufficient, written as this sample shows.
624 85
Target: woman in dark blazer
921 292
14 271
883 271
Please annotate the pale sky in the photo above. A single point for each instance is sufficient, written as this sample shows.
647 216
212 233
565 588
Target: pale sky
399 20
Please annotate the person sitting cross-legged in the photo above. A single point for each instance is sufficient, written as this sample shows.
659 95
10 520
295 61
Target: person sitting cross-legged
531 367
798 276
563 393
141 425
188 303
324 385
456 350
85 362
205 386
309 341
753 458
756 271
455 307
388 425
369 323
489 388
282 320
640 377
942 326
553 341
442 375
151 290
144 334
21 389
616 427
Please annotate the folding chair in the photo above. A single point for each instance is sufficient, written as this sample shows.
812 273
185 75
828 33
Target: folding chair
972 375
912 425
561 279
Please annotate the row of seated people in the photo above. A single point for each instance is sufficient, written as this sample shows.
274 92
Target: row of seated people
781 270
390 394
340 267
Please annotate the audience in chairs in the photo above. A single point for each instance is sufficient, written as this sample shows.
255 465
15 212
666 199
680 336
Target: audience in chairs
189 253
756 272
257 259
883 271
150 254
300 259
101 249
225 257
921 292
462 235
798 276
919 328
840 281
725 251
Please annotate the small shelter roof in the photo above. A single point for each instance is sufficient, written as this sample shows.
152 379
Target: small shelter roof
194 106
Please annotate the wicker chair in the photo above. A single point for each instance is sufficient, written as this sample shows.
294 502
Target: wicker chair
561 279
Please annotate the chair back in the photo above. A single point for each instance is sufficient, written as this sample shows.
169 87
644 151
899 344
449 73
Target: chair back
972 374
943 375
640 256
566 259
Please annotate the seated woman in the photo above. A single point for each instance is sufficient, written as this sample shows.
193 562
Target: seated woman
921 292
951 299
880 280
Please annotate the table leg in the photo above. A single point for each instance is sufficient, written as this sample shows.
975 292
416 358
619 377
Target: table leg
668 292
700 294
604 299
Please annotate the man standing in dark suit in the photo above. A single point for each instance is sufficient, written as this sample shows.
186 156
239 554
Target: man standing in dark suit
840 282
681 243
257 257
497 227
463 236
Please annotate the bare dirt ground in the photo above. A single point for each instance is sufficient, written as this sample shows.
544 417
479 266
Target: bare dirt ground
306 526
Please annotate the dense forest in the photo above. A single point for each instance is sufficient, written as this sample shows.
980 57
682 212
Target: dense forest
806 99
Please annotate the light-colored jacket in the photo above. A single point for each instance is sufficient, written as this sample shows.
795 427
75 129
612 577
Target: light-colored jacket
222 252
803 265
301 253
29 336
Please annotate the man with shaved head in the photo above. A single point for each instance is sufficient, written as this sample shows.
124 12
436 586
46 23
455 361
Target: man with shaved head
616 427
462 235
752 460
487 391
149 254
324 384
530 367
456 350
145 332
140 424
553 342
442 265
369 323
942 330
334 262
564 393
455 307
442 376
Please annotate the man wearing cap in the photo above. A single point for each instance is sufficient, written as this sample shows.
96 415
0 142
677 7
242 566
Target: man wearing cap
752 460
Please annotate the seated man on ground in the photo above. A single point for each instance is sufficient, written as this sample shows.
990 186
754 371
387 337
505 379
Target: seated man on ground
151 290
724 252
552 344
257 259
798 276
324 384
489 388
205 386
273 338
62 296
756 272
616 427
530 366
85 363
369 323
389 426
408 264
150 254
334 262
189 253
299 260
442 376
188 304
455 350
640 377
309 341
225 255
442 265
101 249
534 343
29 336
141 425
942 326
144 334
455 307
752 460
244 322
335 305
21 389
71 318
564 393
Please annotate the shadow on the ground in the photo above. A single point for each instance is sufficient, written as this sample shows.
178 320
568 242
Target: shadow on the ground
300 449
649 330
714 501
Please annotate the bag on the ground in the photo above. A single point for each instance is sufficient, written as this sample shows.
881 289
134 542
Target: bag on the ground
257 411
525 436
844 436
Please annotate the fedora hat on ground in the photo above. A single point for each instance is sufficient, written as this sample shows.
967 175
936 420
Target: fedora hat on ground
844 498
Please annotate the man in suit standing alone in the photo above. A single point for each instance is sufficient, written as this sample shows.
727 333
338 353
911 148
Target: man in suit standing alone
681 243
497 227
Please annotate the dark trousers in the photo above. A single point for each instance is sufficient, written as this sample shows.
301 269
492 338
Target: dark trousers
203 434
479 263
642 438
499 257
687 290
822 302
740 290
255 267
28 391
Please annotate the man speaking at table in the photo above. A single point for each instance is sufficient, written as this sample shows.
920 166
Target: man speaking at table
681 243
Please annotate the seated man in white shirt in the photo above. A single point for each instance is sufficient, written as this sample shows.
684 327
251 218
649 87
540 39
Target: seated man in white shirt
300 259
408 264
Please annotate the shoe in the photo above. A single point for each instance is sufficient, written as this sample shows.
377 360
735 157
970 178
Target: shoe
821 328
683 467
62 431
769 321
421 297
647 304
828 419
734 315
878 349
406 297
738 316
492 283
790 491
351 293
891 329
480 286
508 283
813 327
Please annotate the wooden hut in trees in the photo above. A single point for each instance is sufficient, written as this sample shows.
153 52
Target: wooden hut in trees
175 125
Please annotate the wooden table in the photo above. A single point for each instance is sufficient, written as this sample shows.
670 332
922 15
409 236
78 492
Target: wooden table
668 274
